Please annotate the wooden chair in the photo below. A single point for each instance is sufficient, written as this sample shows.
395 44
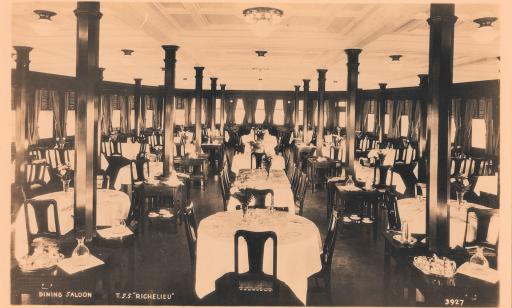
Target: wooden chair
301 194
483 223
393 216
326 257
155 199
191 232
41 229
258 158
37 178
102 180
260 196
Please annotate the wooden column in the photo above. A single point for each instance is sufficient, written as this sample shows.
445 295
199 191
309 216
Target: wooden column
296 110
199 98
352 75
21 103
137 104
320 113
382 109
213 101
86 137
222 107
422 144
305 110
441 21
169 84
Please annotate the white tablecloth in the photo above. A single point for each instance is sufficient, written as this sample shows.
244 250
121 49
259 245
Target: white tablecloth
257 178
414 213
298 249
111 205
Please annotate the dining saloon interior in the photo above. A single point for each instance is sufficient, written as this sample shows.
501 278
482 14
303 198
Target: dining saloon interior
228 153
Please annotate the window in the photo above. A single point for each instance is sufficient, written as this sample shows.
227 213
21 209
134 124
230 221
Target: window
341 109
116 112
70 120
239 111
217 111
193 111
478 127
45 121
279 112
404 125
478 134
386 123
370 120
259 117
301 112
148 101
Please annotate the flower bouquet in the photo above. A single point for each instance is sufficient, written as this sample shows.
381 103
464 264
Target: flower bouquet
65 174
461 184
245 197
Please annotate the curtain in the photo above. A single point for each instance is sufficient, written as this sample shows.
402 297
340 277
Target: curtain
397 112
105 114
253 103
488 126
230 110
289 112
363 121
157 123
143 106
470 106
59 114
415 135
33 118
125 115
187 104
413 105
495 128
247 109
312 113
457 118
270 105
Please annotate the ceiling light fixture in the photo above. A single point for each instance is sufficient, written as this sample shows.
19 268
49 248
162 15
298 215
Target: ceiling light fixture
263 19
126 58
43 26
396 63
127 52
485 33
261 53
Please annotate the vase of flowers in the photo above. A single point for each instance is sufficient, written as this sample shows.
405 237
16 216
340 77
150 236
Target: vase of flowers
462 185
244 196
65 176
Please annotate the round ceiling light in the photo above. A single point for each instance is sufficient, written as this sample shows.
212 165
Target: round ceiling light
396 64
263 19
43 26
485 33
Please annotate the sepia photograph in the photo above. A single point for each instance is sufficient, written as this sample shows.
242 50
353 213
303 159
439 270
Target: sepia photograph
257 153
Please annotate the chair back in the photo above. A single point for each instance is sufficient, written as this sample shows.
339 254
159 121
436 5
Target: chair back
301 192
258 158
390 201
36 172
191 231
137 169
421 190
102 180
260 196
483 226
330 241
40 210
255 250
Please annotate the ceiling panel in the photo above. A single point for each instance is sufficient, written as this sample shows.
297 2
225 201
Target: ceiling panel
214 34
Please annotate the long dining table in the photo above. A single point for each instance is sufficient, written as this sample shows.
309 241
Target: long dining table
298 248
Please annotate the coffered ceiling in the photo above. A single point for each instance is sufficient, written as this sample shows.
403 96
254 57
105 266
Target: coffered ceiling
215 35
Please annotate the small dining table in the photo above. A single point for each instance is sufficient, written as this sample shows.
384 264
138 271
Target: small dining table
258 179
110 206
298 248
413 210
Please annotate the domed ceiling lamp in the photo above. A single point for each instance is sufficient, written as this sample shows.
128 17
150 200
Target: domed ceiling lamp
43 26
485 33
396 64
126 58
263 19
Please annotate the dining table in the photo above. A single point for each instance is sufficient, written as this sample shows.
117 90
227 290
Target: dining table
258 179
298 248
413 210
111 205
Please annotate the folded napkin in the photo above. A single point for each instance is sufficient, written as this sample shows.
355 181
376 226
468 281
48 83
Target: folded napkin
479 272
114 232
70 266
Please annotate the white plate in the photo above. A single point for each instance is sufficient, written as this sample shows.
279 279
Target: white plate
398 238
